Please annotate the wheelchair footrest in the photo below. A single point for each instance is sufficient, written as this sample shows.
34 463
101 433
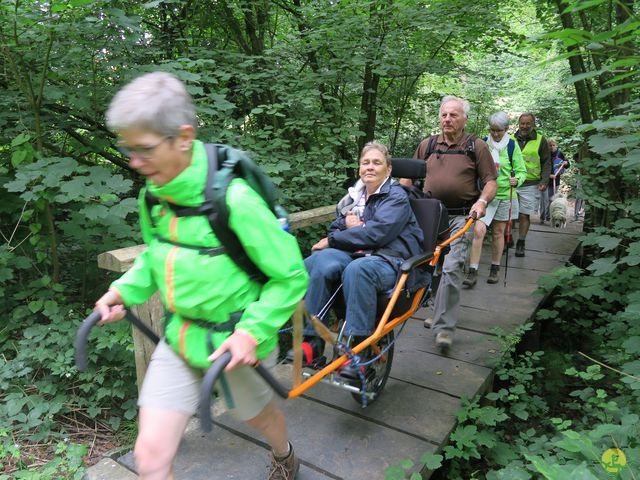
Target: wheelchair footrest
319 362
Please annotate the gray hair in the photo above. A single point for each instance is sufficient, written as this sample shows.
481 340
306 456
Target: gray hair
377 146
156 102
466 107
499 119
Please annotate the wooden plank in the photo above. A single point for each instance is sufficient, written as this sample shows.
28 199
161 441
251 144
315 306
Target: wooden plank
312 217
339 443
109 469
475 320
469 346
120 260
223 454
533 260
403 406
448 375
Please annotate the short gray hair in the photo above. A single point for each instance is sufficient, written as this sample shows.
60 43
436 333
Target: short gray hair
377 146
156 102
499 119
466 106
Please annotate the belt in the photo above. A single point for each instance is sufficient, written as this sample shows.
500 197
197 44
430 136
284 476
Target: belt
459 211
463 210
228 326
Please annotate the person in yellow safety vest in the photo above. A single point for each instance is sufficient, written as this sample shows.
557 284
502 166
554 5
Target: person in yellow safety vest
537 159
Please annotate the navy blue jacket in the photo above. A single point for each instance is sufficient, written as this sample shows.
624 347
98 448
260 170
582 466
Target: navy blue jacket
389 224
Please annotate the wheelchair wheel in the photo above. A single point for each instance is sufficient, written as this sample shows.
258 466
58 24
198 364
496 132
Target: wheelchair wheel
378 372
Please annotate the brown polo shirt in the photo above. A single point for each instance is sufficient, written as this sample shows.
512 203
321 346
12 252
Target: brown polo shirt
453 177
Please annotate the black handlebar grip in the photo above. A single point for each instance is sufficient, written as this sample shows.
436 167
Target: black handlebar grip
208 381
81 340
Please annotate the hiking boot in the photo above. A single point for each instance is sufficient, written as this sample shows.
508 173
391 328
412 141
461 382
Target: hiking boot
444 340
312 352
520 248
471 278
352 372
285 468
493 274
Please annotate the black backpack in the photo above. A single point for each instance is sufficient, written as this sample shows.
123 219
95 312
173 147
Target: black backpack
225 164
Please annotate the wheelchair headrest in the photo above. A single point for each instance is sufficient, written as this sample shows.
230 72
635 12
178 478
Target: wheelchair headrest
408 168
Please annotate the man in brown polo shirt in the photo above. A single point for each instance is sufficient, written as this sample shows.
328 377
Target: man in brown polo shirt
457 165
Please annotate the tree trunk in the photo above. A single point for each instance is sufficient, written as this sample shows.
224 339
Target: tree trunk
371 80
576 64
368 106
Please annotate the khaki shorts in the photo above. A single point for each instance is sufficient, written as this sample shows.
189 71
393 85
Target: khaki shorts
173 385
529 199
499 210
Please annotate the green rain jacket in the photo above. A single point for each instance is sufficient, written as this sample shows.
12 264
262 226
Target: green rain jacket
504 175
197 288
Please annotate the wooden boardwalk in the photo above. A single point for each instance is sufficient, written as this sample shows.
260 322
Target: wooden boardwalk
335 438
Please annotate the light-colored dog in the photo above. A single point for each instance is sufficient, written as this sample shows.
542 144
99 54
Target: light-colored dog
558 211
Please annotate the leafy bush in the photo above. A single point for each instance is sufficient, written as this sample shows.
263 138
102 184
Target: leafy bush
47 269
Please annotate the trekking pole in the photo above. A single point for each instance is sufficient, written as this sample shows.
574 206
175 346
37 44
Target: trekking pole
506 260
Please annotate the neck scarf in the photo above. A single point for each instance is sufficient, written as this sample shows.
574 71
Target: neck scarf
496 147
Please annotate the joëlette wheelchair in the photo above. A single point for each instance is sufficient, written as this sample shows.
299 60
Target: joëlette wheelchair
394 310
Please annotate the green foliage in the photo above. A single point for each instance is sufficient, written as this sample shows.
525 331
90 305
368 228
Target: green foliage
513 433
67 462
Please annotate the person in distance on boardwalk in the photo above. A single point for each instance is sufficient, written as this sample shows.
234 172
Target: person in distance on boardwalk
536 153
461 174
558 166
507 158
212 305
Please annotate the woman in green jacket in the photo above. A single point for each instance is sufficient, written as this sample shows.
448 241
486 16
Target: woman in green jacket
212 305
511 170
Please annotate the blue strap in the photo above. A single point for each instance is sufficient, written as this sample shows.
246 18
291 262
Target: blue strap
511 146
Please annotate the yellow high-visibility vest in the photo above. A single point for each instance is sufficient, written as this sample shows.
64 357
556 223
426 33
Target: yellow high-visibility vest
532 157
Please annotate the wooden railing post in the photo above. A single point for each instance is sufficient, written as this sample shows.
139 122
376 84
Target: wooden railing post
151 312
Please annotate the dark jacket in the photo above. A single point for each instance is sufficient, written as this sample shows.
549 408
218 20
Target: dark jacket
389 225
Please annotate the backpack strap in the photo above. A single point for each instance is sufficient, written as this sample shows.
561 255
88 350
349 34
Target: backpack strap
469 150
431 146
215 194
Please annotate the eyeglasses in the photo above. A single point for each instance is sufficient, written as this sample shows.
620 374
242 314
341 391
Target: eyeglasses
141 152
497 130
